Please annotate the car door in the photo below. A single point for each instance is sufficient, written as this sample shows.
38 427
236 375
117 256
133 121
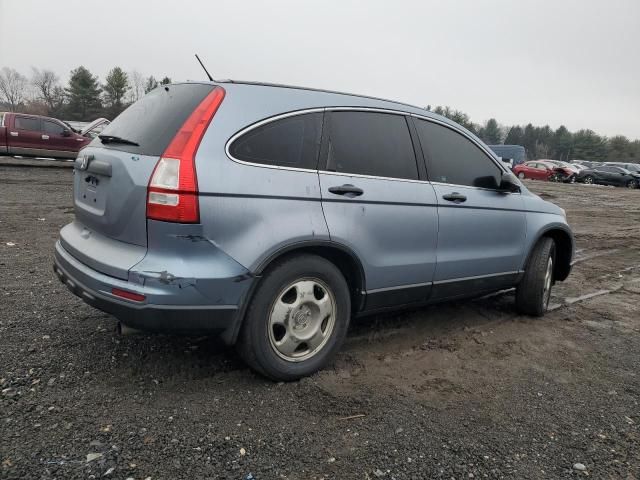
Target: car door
538 171
605 175
378 204
25 138
619 176
481 231
55 135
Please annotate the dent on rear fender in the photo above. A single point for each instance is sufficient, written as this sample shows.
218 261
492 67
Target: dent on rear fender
181 259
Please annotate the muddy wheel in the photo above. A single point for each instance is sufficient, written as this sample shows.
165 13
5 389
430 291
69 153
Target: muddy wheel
521 176
572 179
631 184
297 319
588 180
534 290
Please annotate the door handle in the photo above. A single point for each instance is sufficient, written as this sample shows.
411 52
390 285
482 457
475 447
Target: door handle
455 197
13 134
45 137
347 190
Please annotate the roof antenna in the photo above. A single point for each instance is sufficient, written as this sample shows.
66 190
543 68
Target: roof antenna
204 68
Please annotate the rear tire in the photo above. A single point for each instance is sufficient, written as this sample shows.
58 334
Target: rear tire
534 290
631 184
297 320
588 180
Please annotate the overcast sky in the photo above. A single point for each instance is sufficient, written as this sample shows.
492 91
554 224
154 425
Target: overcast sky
571 62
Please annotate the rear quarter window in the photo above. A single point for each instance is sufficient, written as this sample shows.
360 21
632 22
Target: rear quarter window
288 142
153 121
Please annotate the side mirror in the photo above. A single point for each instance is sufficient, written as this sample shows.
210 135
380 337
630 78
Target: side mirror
66 132
509 183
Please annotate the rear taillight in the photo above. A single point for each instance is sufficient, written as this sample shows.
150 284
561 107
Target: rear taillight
172 194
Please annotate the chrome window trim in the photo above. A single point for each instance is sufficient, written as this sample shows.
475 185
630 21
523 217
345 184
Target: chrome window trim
294 113
464 134
260 123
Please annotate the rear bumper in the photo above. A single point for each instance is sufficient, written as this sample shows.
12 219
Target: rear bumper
172 315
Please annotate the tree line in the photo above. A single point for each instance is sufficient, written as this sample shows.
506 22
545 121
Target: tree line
544 142
84 97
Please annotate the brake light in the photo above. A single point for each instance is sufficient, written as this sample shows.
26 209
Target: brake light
172 194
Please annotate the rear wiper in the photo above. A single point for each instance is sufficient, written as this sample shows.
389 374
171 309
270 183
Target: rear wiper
114 139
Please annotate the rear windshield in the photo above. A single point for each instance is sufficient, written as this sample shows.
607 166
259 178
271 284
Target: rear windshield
153 121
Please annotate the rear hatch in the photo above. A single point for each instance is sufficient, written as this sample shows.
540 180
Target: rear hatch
112 173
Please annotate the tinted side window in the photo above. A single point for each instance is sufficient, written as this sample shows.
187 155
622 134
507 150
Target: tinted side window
52 127
289 142
27 123
369 143
455 159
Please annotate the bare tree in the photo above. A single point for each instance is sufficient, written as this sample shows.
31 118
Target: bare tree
137 86
13 87
48 89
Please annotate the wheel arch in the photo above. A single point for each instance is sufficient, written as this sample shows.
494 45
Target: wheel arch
563 240
341 256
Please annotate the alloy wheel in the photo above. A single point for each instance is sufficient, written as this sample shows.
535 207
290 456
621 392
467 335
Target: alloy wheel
302 319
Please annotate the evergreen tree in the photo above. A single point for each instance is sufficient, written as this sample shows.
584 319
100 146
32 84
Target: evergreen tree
515 136
83 95
491 133
562 143
618 149
115 89
165 81
529 141
588 145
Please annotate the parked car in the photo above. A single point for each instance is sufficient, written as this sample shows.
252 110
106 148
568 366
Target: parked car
37 136
273 214
586 163
610 175
543 170
567 173
632 167
579 166
533 170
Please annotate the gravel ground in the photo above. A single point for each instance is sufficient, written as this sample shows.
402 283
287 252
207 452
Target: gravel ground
463 390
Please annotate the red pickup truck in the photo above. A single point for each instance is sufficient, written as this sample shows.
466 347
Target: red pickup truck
36 136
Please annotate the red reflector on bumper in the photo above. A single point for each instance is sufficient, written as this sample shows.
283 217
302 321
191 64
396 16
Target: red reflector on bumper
128 295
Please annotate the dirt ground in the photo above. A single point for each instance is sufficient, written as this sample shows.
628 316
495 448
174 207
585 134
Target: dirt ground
463 390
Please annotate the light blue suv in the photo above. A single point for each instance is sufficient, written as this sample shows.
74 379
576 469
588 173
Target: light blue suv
273 214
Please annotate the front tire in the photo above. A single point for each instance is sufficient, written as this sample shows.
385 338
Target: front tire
521 176
589 180
534 290
297 320
631 184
